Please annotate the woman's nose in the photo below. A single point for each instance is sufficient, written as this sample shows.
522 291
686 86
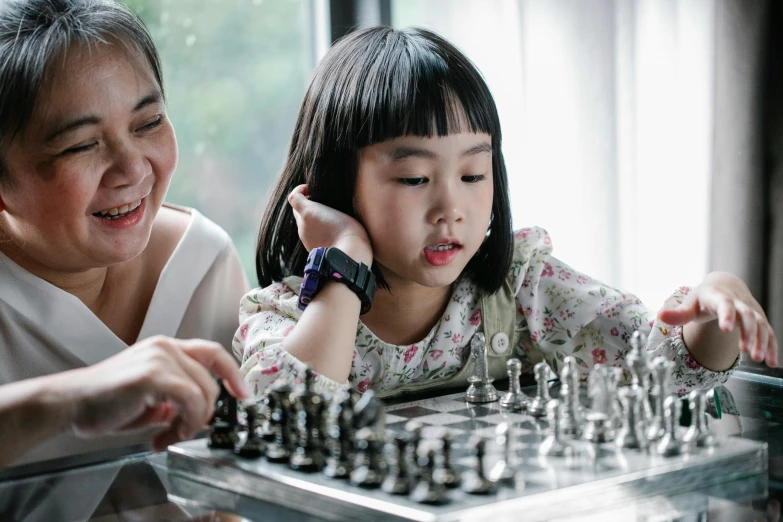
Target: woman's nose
128 167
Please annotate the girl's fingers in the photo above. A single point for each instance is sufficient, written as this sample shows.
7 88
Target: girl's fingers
684 313
762 338
772 350
726 314
748 328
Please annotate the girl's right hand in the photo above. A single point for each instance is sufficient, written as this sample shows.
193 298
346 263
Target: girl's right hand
323 226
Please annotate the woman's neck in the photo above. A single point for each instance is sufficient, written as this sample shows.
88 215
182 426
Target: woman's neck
407 314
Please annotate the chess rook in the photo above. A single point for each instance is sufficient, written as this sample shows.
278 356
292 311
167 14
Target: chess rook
699 434
670 444
631 432
481 389
661 373
537 406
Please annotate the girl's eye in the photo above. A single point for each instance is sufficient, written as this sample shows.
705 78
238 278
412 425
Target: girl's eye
151 125
413 182
80 148
474 178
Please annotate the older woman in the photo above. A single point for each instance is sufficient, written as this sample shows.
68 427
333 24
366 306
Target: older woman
91 259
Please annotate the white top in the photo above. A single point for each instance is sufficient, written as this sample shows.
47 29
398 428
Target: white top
44 329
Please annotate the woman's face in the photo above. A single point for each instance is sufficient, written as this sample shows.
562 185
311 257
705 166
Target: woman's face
83 184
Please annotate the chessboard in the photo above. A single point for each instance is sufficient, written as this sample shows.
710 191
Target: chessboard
593 477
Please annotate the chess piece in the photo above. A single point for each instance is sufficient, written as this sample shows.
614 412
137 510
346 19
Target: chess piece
253 445
601 388
571 414
481 389
503 470
553 445
631 432
670 444
428 490
537 406
265 412
413 428
661 373
223 428
307 454
515 399
699 432
639 366
444 472
397 480
340 437
599 428
279 450
473 480
369 466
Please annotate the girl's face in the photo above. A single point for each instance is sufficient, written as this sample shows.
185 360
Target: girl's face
426 204
85 181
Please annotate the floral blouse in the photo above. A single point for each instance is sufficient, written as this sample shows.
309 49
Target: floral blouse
566 312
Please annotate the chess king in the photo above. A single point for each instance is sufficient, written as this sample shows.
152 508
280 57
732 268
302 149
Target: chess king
395 181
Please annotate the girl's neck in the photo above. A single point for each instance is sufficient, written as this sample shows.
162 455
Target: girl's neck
407 314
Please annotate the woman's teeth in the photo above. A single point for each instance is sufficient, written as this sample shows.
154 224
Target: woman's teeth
441 248
118 212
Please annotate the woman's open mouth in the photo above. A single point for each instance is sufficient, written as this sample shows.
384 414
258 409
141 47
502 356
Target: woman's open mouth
123 217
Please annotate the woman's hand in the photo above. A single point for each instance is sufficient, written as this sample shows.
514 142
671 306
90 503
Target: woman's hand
160 382
322 226
725 298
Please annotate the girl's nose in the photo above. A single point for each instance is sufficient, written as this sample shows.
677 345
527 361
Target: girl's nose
447 207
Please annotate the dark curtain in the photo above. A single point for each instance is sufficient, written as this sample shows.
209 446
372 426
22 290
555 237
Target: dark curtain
747 187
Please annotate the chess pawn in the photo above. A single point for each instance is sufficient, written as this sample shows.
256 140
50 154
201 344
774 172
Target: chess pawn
428 490
473 480
223 428
631 433
309 406
340 438
503 470
481 389
571 415
514 400
699 433
661 373
444 472
369 467
413 428
397 481
265 412
279 450
537 406
253 445
639 366
553 445
670 444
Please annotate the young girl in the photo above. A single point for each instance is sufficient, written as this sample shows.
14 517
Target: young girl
396 164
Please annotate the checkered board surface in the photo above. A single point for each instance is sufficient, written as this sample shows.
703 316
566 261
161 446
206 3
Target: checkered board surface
598 475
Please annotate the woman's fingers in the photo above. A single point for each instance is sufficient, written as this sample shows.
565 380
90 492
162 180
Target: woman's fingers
217 361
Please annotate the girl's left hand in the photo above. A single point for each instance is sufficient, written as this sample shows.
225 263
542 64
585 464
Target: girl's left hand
726 298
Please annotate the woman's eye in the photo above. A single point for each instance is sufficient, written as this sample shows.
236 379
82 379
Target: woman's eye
80 148
413 182
474 178
151 125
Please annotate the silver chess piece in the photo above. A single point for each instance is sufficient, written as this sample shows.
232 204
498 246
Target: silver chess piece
473 479
670 444
631 433
515 399
602 390
571 414
661 373
638 363
599 425
554 445
537 406
699 432
481 389
503 470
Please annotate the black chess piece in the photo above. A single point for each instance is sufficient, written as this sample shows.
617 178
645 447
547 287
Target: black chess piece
223 428
340 439
413 428
308 454
396 481
369 466
279 450
253 445
474 481
444 472
428 490
265 413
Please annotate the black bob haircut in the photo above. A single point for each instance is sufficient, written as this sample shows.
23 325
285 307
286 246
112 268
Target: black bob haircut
374 85
34 33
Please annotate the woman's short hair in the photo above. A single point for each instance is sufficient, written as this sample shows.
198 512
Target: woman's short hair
34 33
374 85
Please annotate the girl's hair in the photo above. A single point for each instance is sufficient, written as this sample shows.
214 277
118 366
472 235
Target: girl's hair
374 85
34 33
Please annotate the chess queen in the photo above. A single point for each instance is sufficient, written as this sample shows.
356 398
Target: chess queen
91 259
395 180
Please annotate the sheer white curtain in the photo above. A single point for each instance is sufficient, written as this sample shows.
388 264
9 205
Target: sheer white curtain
606 108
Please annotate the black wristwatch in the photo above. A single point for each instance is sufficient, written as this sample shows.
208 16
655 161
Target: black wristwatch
325 264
